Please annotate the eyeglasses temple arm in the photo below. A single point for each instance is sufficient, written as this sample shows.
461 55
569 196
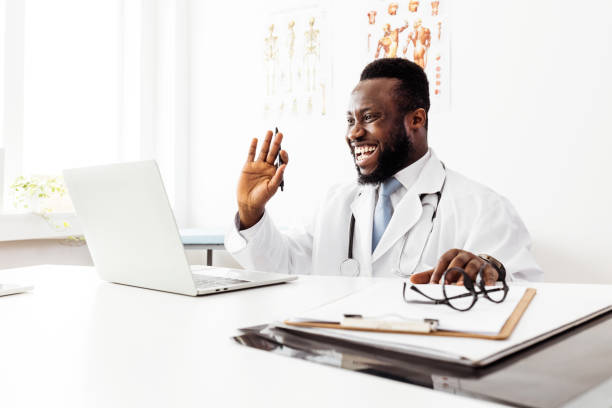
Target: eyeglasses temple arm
437 301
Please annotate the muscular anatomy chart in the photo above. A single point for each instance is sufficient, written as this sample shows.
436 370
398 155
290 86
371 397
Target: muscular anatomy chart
415 30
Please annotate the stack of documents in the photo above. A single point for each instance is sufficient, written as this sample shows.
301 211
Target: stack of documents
555 308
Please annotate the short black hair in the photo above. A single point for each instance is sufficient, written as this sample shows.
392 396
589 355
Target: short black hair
413 90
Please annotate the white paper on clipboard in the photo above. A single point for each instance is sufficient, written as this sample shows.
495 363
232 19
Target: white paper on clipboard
385 299
556 308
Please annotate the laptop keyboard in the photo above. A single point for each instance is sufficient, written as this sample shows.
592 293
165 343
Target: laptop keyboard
205 282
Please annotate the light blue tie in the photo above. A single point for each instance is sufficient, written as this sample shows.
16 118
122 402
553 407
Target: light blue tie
383 210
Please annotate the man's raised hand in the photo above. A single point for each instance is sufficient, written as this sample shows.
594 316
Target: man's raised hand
259 179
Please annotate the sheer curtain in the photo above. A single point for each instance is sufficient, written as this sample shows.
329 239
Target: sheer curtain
89 82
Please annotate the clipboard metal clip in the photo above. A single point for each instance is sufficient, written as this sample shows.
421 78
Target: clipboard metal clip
389 323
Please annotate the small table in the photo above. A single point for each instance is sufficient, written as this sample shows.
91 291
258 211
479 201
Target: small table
201 239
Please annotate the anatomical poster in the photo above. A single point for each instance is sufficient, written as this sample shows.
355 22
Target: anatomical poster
415 30
296 63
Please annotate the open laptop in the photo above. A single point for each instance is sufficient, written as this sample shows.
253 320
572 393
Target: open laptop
133 237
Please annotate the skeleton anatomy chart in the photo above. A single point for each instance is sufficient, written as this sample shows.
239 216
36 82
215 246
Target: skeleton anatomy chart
415 30
296 64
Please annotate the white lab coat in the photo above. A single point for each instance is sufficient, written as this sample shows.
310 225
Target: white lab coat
469 216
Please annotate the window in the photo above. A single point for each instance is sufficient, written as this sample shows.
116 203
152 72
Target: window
94 82
71 88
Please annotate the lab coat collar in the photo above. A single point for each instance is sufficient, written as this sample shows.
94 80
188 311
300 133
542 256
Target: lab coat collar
409 209
362 208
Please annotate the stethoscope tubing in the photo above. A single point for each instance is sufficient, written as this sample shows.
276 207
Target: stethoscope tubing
350 260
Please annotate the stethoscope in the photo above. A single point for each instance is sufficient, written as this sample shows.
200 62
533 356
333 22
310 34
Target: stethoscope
350 266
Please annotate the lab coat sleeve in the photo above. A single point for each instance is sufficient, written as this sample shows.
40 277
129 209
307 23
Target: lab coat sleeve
498 231
263 247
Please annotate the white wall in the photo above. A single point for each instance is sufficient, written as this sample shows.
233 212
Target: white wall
531 105
14 254
530 117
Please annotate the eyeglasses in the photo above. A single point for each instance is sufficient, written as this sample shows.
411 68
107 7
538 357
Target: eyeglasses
470 290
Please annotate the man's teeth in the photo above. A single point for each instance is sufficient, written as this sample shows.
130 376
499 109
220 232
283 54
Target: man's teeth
364 149
363 152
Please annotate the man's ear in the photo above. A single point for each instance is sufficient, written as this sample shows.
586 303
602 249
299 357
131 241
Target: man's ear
415 120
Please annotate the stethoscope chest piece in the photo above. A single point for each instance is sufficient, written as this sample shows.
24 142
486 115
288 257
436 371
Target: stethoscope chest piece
349 267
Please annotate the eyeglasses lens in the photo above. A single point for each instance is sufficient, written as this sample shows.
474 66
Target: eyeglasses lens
460 297
495 293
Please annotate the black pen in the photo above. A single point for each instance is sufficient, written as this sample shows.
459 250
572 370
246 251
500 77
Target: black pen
280 160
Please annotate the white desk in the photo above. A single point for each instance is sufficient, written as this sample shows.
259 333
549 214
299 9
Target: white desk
79 342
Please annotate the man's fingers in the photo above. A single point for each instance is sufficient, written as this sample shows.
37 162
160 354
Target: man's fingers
445 259
421 277
274 148
265 146
285 156
252 150
471 269
490 275
460 260
277 178
451 276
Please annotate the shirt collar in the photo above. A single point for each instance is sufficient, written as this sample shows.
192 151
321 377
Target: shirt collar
409 175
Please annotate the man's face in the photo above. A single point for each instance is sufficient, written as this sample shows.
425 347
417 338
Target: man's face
375 131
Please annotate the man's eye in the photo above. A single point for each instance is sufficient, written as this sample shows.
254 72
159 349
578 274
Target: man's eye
368 117
350 121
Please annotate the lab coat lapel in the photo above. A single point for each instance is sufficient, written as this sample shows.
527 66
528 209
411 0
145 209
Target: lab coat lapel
362 208
409 209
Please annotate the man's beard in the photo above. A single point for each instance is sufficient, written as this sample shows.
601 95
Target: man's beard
393 157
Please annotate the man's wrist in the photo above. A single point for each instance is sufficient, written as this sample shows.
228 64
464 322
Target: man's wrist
497 265
249 217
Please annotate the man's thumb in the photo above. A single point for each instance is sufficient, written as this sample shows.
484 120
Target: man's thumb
421 277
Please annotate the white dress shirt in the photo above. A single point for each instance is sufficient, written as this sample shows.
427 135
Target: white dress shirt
407 177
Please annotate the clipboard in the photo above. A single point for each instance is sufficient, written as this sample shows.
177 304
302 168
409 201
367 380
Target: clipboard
503 334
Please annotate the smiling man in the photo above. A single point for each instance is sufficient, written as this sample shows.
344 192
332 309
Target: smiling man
405 215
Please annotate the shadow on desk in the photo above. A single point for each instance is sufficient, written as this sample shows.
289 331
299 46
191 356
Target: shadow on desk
547 374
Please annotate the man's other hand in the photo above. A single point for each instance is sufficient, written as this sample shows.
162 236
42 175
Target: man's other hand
259 179
458 258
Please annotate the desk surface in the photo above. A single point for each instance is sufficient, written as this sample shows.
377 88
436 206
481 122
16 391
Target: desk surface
79 341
